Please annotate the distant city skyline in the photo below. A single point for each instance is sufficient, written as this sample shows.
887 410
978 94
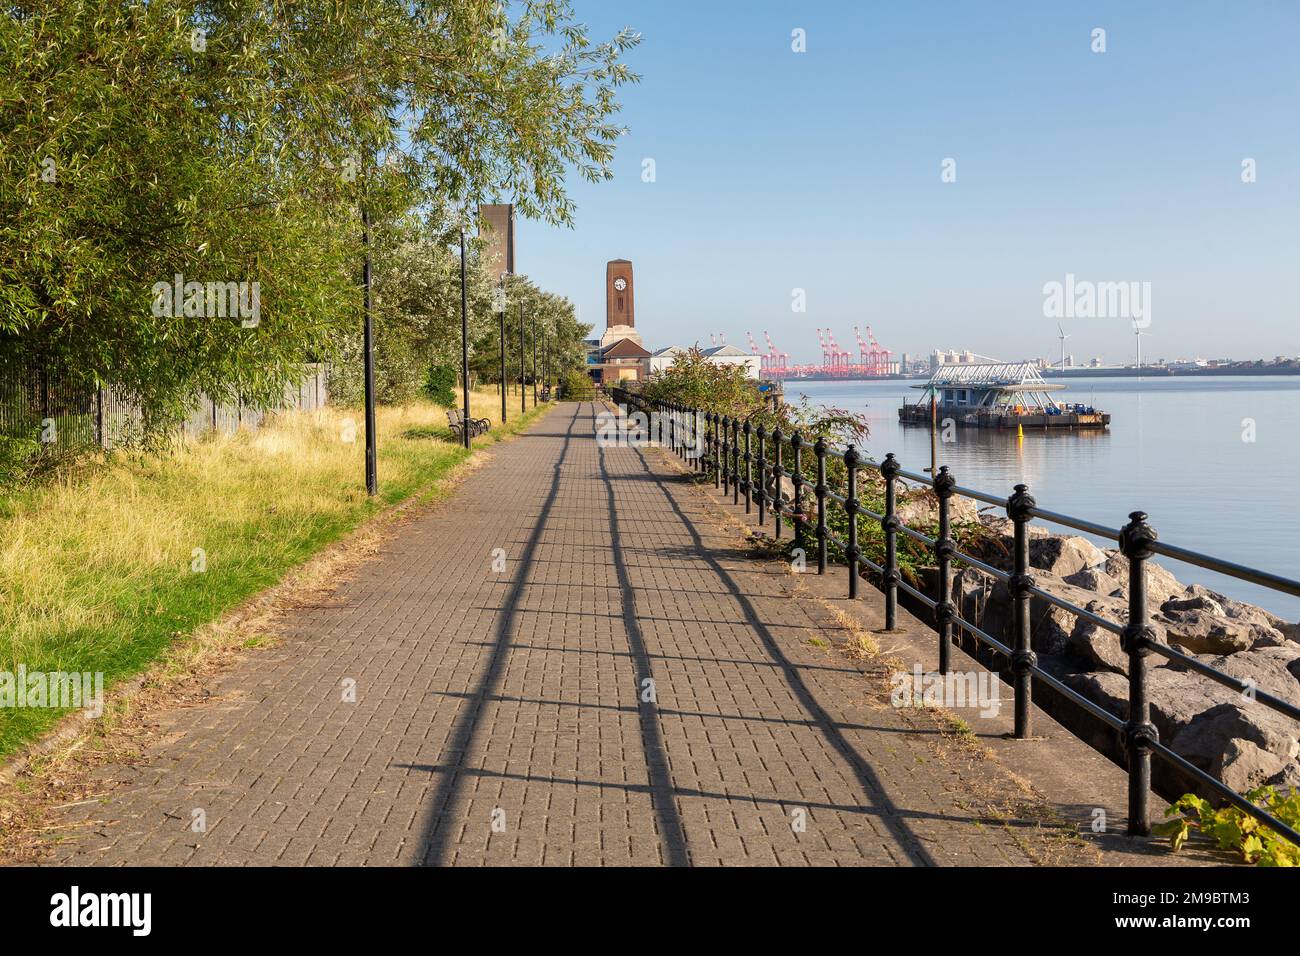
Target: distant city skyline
751 172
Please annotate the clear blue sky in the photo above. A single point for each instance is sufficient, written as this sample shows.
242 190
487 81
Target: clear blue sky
778 170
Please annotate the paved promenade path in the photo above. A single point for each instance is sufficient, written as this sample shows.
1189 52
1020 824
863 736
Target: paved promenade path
626 687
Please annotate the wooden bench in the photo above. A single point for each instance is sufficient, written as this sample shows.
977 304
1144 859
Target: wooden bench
477 426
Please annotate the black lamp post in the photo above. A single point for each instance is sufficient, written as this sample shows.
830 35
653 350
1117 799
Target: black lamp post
501 314
534 361
523 385
368 346
464 344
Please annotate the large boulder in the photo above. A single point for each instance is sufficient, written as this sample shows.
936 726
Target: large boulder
1241 743
1064 556
1272 669
1193 602
1161 584
1177 697
1216 624
1052 626
1269 629
1223 731
986 602
1005 528
1244 746
785 485
1099 647
983 600
918 508
1097 581
1201 631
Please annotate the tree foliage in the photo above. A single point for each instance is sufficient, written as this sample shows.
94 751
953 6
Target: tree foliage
237 140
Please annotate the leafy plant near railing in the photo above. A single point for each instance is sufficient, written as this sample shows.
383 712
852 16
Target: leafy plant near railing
1233 829
694 382
578 387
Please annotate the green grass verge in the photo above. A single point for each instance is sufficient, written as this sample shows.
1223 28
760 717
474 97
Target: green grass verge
97 567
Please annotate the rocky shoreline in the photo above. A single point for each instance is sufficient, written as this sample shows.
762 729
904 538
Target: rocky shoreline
1222 731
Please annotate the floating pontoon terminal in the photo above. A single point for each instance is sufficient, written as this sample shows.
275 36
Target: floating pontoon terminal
997 395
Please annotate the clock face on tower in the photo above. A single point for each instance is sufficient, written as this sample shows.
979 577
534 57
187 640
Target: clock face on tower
620 283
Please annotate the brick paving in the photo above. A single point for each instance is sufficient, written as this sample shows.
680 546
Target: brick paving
505 716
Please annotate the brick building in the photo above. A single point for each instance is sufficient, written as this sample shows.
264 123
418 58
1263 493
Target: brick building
619 356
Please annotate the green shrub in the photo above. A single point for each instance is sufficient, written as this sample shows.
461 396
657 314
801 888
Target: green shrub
440 385
578 386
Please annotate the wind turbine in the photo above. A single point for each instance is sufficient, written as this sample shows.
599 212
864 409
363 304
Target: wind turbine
1063 336
1138 332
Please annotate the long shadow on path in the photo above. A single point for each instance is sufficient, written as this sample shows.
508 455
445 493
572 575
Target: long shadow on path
889 813
469 723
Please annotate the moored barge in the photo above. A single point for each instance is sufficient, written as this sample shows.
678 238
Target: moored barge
997 395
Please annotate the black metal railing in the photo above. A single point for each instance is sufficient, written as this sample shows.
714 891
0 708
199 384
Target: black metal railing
708 441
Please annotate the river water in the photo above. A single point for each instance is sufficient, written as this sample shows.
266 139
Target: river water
1215 462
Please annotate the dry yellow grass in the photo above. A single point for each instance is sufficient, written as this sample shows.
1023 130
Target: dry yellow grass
103 568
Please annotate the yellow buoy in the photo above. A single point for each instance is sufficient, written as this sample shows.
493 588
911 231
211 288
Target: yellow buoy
1020 431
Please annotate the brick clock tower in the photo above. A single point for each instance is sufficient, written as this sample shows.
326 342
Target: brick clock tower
620 311
618 294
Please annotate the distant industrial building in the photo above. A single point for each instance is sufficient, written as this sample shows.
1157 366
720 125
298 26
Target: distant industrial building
717 355
941 358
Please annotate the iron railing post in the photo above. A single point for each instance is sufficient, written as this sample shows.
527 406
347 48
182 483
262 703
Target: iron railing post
1140 735
702 440
687 444
762 477
713 448
705 435
729 443
851 553
748 486
723 453
819 490
889 469
944 611
800 526
776 479
735 461
1023 659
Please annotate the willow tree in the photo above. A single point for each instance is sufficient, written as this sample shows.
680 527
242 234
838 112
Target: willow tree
236 141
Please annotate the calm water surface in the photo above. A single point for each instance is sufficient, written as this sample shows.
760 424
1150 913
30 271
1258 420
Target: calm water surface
1174 449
